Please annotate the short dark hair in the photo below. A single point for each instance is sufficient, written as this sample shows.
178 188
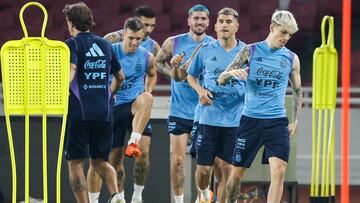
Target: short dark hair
133 24
80 15
145 11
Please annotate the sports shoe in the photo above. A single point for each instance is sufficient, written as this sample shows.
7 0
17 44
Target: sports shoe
132 150
115 198
210 200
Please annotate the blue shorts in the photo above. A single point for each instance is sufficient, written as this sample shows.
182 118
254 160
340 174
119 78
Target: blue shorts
194 135
86 139
215 141
179 126
123 122
254 132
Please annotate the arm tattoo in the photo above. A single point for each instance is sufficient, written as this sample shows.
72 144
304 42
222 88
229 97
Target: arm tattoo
162 62
113 37
240 59
298 95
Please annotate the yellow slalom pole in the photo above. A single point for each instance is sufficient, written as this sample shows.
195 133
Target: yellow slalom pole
27 159
44 150
59 161
330 158
318 147
324 153
314 144
12 157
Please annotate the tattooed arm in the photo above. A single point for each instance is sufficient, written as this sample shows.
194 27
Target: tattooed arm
151 77
113 37
240 59
156 48
295 80
163 57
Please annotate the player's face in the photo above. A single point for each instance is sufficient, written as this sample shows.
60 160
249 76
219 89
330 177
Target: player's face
279 35
198 22
132 39
149 25
226 26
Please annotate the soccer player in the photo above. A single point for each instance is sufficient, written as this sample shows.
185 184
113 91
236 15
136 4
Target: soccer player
88 131
147 16
264 121
132 108
183 98
221 105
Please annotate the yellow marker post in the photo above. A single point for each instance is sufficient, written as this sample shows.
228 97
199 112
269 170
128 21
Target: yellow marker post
325 70
35 72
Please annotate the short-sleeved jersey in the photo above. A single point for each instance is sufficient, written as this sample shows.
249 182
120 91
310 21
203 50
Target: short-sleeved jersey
267 81
183 98
148 43
134 66
90 96
212 60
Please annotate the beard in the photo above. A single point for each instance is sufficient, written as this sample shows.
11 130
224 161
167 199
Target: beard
198 33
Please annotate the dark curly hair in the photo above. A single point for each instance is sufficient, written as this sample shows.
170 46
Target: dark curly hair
80 15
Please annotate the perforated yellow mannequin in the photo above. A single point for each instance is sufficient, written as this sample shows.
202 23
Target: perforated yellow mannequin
35 72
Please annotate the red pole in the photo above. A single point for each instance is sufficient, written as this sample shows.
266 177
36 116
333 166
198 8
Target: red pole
345 66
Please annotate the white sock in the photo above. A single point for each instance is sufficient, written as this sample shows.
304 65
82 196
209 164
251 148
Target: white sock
205 194
134 138
94 197
117 197
197 199
179 198
122 195
137 195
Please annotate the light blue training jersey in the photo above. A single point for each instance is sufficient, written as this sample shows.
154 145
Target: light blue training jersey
267 81
134 66
228 99
183 98
198 105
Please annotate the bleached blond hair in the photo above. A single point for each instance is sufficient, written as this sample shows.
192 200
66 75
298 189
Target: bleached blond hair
286 19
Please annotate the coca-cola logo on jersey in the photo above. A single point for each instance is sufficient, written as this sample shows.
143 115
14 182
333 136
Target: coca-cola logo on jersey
218 71
270 74
99 64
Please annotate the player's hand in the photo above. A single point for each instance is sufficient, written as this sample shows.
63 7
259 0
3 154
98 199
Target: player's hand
177 60
205 97
292 127
226 76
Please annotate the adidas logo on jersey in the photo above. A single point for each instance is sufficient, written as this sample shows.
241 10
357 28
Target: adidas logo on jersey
258 59
214 59
94 51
